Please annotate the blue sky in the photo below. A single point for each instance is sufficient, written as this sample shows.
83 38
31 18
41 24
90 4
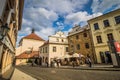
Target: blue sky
49 16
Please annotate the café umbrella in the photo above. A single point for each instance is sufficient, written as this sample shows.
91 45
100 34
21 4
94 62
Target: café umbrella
75 55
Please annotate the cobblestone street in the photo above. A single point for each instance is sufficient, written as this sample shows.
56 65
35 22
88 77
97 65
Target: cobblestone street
69 74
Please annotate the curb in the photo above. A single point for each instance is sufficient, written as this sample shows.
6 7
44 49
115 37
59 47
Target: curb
96 69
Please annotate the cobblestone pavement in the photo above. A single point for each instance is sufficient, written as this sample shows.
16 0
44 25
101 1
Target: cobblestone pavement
69 74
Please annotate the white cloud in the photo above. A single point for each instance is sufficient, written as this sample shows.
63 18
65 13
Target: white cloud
59 6
45 32
40 14
103 5
40 19
80 18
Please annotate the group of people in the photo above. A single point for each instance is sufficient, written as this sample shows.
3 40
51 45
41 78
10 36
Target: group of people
77 61
56 63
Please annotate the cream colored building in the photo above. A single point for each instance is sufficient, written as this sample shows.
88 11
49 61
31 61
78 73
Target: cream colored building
30 42
55 47
10 18
104 29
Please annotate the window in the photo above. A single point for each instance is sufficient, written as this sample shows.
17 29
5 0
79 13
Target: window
110 37
99 39
57 40
43 50
77 37
62 40
87 45
78 47
46 49
106 23
85 34
71 41
96 27
117 19
54 49
71 46
66 49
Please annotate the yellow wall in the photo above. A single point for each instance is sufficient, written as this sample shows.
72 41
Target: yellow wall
21 61
103 31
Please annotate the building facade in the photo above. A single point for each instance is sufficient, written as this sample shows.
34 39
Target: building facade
104 29
10 22
27 57
80 41
28 44
55 48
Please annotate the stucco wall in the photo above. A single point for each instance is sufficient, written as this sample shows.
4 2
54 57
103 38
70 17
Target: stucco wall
103 31
28 44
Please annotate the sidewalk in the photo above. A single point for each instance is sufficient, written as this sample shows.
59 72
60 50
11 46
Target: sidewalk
7 75
19 75
94 67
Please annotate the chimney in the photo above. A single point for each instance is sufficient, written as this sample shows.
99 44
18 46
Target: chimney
33 30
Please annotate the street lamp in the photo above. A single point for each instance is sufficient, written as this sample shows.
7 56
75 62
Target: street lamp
3 31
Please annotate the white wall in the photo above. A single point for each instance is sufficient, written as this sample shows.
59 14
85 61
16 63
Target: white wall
28 44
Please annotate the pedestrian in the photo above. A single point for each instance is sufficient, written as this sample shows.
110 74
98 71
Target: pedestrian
73 61
47 64
36 61
51 64
58 63
46 61
89 61
73 64
32 64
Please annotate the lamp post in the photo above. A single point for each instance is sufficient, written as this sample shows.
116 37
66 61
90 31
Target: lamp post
115 56
3 31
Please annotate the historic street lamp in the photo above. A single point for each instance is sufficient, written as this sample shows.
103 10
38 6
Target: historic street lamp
3 31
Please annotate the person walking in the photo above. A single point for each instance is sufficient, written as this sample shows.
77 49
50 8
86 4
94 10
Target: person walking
58 63
32 64
89 61
46 61
73 64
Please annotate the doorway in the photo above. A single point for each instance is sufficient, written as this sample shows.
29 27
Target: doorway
102 57
108 57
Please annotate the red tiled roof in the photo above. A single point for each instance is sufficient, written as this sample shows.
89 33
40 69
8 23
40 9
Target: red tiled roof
33 36
26 55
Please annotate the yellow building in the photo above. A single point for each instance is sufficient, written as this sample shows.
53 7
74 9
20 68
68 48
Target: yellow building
10 22
105 28
80 41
